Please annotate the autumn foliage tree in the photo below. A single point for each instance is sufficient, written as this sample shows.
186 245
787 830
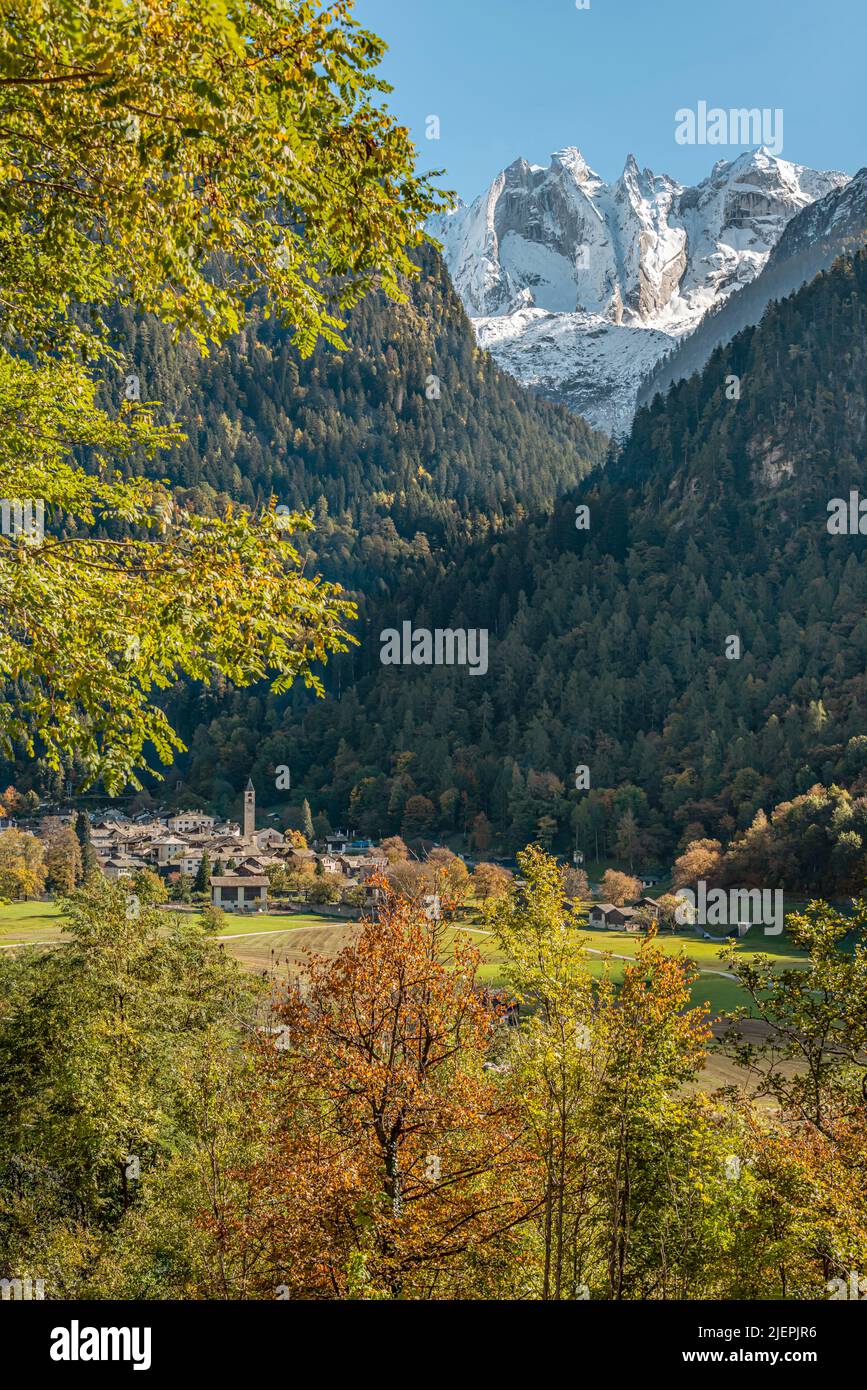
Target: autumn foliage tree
379 1126
22 864
597 1071
702 859
63 861
813 1058
549 1061
619 888
490 881
451 875
650 1043
391 1171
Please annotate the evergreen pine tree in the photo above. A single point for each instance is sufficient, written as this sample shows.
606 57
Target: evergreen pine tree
89 856
202 882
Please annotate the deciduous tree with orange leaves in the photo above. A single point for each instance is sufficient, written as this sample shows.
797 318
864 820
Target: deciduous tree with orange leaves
393 1170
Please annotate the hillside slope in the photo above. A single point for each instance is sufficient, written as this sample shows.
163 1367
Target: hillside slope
407 447
411 440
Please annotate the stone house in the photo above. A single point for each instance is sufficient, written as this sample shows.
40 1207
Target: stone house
241 892
190 823
122 866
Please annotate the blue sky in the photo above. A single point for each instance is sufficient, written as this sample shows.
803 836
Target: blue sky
525 77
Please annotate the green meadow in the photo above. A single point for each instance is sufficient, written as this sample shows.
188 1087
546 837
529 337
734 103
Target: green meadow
269 940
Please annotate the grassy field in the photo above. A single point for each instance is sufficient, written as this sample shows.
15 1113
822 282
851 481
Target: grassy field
29 923
271 940
324 936
716 986
260 946
259 937
261 941
276 943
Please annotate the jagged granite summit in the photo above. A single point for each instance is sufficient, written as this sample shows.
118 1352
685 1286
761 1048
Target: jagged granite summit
579 287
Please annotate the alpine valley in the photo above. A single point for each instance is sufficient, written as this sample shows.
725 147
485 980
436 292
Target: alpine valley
433 677
608 644
445 493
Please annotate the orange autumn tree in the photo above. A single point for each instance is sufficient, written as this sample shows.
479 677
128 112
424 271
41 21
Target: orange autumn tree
393 1166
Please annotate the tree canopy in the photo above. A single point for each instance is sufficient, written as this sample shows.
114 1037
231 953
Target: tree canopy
184 160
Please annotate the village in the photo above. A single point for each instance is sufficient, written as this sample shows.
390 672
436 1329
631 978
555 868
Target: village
236 864
240 867
233 866
190 858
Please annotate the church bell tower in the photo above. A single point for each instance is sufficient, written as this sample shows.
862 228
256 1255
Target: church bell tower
249 810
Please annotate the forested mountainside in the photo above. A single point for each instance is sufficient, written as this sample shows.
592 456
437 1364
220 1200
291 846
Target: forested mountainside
406 447
612 646
410 441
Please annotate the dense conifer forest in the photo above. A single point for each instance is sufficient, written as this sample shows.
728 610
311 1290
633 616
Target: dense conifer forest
409 442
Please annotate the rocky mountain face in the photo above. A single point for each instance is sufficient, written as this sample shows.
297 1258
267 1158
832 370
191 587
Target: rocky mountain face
810 243
579 288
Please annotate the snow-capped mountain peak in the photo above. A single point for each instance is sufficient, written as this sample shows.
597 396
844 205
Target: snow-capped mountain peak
578 286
